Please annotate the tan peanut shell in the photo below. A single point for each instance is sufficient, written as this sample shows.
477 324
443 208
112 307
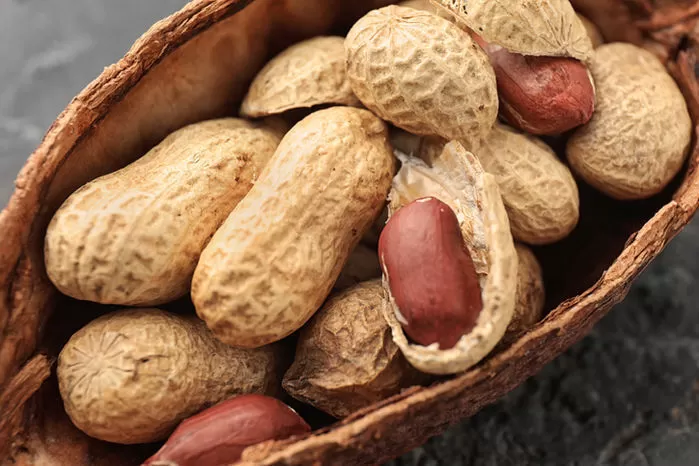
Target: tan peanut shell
640 133
345 358
275 259
308 73
131 376
456 178
593 31
133 237
426 5
530 295
362 265
539 192
538 27
423 74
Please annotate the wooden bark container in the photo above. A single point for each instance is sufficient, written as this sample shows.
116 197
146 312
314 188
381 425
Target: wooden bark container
197 64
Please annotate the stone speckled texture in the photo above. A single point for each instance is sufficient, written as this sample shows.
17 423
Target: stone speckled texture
627 395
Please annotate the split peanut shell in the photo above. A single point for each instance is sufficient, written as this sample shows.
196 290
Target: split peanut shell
538 28
345 358
456 178
309 73
423 74
641 131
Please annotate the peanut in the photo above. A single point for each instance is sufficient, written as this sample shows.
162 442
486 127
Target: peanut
275 259
311 72
422 73
542 95
539 192
219 435
456 178
426 5
430 273
540 28
133 237
530 295
131 376
345 359
641 131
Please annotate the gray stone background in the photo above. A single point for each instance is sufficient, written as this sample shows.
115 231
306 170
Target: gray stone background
626 395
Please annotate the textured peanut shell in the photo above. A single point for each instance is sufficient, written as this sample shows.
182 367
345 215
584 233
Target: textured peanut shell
539 192
457 178
530 295
345 358
309 73
423 74
593 31
641 131
131 376
539 27
133 237
274 260
362 265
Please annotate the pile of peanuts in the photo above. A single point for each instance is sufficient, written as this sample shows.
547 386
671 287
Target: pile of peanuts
384 234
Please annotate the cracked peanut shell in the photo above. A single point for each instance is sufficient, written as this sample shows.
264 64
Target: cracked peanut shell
275 259
423 74
308 73
641 131
456 178
133 237
131 376
538 28
345 358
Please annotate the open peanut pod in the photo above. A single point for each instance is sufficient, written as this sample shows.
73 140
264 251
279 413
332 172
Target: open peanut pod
197 64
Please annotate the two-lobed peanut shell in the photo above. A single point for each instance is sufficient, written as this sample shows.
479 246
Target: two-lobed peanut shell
133 237
131 376
275 259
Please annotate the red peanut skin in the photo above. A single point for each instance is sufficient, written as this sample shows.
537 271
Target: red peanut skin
218 435
541 95
430 273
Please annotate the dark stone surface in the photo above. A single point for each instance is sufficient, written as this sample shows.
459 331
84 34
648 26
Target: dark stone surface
627 395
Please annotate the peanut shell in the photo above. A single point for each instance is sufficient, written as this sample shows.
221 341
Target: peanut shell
131 376
641 131
539 28
133 237
308 73
423 74
530 295
263 276
345 358
539 192
456 178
